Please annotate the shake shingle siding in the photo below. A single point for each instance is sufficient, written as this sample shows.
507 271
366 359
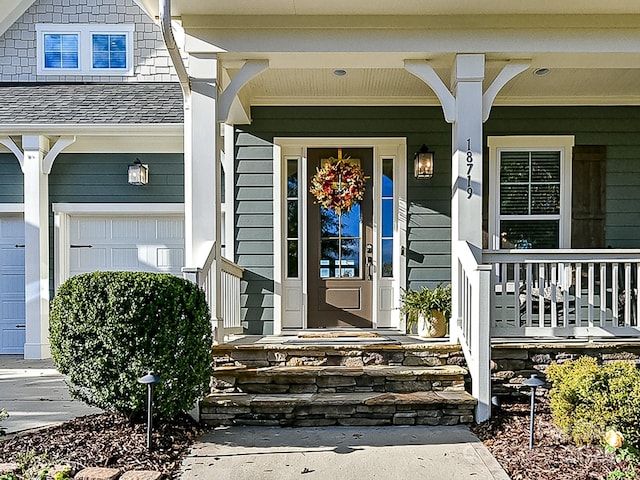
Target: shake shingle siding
18 56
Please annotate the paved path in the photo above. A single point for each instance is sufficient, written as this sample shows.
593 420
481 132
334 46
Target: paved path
35 395
341 453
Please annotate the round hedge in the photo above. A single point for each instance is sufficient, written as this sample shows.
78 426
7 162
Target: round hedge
107 329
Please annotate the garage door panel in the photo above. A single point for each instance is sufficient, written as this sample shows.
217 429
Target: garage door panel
13 310
11 229
126 229
86 230
12 340
125 258
87 259
12 284
12 256
169 229
169 258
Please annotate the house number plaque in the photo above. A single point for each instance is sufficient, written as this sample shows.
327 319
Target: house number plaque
469 168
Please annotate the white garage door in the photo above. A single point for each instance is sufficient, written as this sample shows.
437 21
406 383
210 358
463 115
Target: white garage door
12 322
149 243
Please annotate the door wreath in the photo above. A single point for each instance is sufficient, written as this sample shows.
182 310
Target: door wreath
338 185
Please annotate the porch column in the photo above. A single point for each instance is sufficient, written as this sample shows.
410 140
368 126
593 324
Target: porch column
36 253
202 172
466 214
466 208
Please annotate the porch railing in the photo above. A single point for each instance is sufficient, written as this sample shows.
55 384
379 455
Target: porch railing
228 294
564 293
473 311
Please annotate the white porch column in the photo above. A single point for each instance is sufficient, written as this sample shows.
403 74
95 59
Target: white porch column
466 208
202 159
36 254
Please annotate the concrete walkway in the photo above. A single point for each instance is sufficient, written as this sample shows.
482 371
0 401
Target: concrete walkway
35 395
341 453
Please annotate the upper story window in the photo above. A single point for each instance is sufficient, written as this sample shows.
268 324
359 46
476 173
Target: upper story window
530 192
85 49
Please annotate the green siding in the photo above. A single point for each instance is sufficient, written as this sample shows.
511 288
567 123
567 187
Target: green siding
11 179
428 256
618 128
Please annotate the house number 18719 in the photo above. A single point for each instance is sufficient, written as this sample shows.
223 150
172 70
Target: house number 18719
469 168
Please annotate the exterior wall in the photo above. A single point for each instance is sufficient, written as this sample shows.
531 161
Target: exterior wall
18 56
11 179
618 128
102 178
429 205
428 256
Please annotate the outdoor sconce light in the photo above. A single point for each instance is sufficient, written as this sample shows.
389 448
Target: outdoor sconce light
423 163
533 383
149 380
138 173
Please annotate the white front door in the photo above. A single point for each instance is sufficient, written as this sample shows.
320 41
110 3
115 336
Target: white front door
12 301
149 243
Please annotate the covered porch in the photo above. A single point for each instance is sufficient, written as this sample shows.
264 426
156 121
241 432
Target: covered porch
287 73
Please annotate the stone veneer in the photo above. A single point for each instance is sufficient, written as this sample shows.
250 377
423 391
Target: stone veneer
512 364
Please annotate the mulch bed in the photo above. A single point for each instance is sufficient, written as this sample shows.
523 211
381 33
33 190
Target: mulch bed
108 440
553 457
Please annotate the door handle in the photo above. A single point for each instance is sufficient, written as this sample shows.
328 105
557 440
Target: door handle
370 268
21 326
80 246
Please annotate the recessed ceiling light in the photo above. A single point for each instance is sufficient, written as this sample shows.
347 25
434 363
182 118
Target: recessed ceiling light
541 72
339 72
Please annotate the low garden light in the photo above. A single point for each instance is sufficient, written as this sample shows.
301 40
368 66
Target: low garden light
149 380
534 382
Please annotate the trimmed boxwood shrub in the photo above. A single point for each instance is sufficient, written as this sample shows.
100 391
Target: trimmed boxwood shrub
107 329
588 399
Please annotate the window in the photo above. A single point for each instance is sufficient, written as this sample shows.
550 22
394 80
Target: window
85 49
530 193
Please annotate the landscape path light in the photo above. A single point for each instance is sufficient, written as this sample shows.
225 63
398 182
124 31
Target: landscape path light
150 379
534 382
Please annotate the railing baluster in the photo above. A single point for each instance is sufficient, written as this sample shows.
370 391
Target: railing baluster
578 294
627 294
553 281
516 290
591 292
529 304
603 294
614 295
541 284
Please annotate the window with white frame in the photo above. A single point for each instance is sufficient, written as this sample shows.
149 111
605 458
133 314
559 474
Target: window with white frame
530 195
85 49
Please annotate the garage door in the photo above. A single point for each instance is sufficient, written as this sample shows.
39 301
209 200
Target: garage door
149 243
12 322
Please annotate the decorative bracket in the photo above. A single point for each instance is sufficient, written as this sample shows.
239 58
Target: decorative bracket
509 72
11 145
426 73
59 146
249 70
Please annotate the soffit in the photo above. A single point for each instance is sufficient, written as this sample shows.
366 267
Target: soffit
403 7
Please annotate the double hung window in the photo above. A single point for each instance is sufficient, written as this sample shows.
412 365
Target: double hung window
85 49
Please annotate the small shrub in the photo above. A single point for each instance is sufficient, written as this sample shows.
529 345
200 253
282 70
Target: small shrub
3 415
107 329
587 399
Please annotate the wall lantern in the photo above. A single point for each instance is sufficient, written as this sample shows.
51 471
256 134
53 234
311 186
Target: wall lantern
423 163
138 173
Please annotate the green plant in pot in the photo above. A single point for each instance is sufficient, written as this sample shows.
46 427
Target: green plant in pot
429 309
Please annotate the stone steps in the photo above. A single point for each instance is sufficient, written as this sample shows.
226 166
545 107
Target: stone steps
347 409
390 382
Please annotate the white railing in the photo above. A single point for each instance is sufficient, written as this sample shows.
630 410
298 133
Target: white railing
226 297
564 293
472 311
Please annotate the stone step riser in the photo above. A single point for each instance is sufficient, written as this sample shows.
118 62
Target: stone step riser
335 384
325 410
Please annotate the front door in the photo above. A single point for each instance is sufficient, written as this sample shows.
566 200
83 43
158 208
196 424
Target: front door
340 250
